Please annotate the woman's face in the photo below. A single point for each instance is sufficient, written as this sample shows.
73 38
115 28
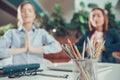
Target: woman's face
97 18
28 13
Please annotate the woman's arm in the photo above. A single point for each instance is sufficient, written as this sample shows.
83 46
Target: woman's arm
114 44
5 43
30 48
18 51
51 45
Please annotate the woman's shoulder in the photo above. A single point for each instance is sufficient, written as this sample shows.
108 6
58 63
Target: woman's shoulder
11 30
87 32
42 30
112 32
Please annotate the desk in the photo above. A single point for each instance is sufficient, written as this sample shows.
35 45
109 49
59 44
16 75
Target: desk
107 75
114 74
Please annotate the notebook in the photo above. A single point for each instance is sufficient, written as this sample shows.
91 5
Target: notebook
69 67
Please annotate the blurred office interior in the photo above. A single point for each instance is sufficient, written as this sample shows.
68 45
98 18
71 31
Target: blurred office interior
62 18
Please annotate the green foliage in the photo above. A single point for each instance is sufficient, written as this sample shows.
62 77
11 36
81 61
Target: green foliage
41 20
57 8
58 22
4 28
80 19
82 4
111 16
92 5
108 6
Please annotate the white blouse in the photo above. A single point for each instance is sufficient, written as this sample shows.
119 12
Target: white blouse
97 37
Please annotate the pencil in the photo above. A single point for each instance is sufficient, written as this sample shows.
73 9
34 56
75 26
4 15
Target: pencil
73 52
66 51
98 51
69 50
83 51
76 49
53 75
81 70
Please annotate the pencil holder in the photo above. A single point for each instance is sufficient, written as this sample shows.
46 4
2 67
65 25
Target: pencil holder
84 69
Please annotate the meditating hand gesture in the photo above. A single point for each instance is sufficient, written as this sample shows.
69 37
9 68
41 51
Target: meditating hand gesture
29 48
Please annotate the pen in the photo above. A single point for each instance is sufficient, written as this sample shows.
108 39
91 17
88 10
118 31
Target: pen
83 52
53 75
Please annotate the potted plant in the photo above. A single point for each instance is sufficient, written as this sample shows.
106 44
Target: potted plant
4 28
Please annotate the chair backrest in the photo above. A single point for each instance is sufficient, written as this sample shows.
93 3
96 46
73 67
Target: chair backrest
116 55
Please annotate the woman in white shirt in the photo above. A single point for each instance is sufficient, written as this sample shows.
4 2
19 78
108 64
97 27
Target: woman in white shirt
27 43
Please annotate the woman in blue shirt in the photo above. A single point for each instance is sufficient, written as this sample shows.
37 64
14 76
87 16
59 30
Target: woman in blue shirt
98 31
27 44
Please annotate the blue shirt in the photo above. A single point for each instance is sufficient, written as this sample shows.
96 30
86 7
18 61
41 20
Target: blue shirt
16 39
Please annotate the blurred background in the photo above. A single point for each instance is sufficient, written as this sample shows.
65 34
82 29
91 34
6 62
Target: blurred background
61 18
